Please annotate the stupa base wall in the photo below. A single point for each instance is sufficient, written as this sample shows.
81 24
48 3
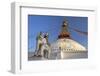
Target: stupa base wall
74 55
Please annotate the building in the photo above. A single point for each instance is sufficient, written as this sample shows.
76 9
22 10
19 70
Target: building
65 47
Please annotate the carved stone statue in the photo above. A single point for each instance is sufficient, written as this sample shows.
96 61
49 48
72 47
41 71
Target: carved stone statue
42 46
45 49
38 43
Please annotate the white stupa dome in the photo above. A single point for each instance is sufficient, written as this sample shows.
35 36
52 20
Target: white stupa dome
68 48
67 45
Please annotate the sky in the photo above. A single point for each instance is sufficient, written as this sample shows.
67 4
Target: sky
52 25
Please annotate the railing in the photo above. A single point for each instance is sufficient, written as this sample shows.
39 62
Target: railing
67 50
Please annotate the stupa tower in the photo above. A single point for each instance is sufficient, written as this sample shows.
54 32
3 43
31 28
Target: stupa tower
64 30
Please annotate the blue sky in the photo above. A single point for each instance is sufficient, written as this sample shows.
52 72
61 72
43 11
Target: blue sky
52 25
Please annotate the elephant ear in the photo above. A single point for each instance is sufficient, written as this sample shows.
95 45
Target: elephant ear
38 37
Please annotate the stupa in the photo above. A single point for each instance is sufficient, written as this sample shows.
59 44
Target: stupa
65 47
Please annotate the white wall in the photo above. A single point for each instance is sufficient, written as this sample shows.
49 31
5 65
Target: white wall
5 33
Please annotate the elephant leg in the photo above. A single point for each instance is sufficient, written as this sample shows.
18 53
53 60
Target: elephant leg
49 53
42 52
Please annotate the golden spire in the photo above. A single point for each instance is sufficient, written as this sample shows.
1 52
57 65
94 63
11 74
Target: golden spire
64 30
